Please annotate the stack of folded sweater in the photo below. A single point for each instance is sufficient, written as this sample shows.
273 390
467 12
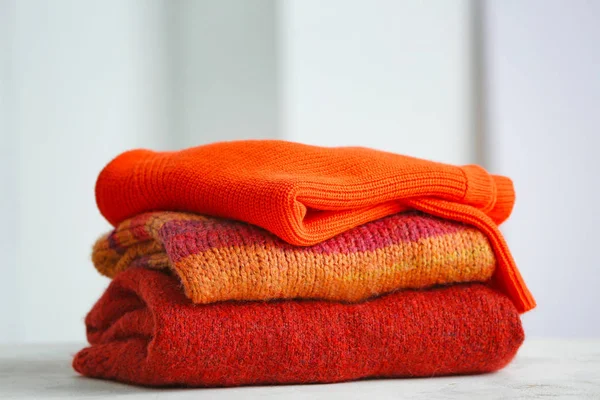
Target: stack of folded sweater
269 262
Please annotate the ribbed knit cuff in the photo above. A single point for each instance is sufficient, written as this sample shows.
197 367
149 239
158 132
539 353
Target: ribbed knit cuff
480 191
505 199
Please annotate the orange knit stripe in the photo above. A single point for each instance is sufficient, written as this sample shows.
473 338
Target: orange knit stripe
257 272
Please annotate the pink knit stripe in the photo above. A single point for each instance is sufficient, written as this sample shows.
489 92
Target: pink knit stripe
183 238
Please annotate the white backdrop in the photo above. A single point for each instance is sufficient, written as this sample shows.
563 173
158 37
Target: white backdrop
387 74
544 119
82 81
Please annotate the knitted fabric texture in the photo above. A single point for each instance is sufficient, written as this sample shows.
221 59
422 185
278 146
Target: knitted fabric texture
143 330
218 259
307 194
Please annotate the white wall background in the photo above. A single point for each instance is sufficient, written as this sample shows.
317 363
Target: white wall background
9 307
223 70
84 83
544 120
392 75
81 81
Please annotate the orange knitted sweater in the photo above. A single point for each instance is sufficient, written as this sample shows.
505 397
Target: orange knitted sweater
307 194
219 259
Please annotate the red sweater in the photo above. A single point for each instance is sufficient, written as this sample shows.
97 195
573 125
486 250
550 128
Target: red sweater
143 330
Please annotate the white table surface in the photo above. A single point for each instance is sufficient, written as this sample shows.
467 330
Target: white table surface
543 369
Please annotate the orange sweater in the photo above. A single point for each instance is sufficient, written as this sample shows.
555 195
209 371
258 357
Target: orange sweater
219 259
307 194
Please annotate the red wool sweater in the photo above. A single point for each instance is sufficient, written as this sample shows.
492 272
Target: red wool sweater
143 330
